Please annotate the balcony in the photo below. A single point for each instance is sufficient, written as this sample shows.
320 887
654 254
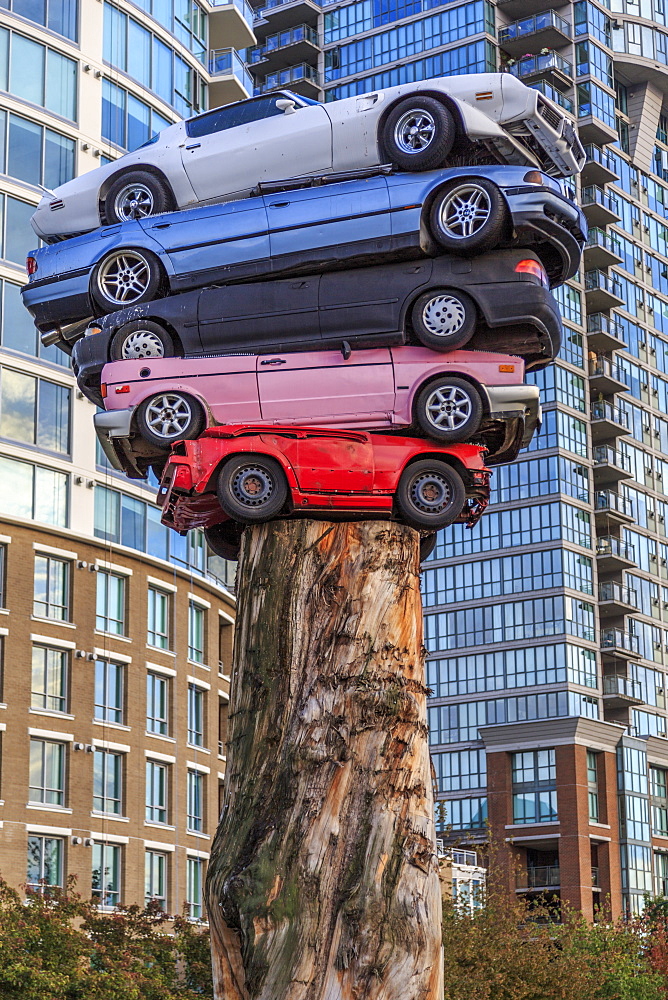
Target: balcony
610 466
281 14
554 95
602 291
607 421
599 166
286 47
520 8
606 376
619 692
614 641
531 34
231 24
615 600
605 333
550 66
599 206
601 249
230 80
302 79
612 554
541 877
612 508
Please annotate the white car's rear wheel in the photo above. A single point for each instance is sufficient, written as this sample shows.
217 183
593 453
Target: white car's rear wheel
126 278
135 195
418 133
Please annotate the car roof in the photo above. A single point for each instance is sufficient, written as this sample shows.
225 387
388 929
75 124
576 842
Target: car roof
254 97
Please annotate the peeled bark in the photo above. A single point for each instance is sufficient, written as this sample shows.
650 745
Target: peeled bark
323 881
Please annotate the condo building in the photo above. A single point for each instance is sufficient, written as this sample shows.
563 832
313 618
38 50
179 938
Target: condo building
116 634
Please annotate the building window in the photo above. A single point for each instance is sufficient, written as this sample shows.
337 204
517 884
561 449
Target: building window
35 154
35 411
155 878
534 786
156 792
158 618
195 632
195 716
106 882
33 492
661 873
45 862
659 787
195 817
52 588
37 74
127 121
157 704
109 691
49 679
107 782
56 15
223 713
47 772
592 785
3 576
194 884
110 610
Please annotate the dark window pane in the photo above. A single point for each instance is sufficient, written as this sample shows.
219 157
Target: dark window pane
233 115
58 160
138 122
18 331
63 18
19 239
53 418
25 150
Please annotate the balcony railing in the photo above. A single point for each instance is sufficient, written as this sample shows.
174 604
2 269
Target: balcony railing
539 877
606 282
614 684
532 65
271 4
600 410
605 455
554 95
596 195
281 40
611 591
530 25
469 858
615 638
602 365
599 238
243 6
602 323
228 62
609 545
606 500
293 74
596 154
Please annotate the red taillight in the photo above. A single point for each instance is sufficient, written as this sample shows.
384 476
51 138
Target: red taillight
103 390
31 265
122 388
534 268
182 479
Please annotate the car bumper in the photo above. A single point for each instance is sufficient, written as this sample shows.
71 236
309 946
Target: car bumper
89 356
524 317
514 416
543 216
124 453
56 303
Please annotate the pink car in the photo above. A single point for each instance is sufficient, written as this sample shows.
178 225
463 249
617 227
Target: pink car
451 398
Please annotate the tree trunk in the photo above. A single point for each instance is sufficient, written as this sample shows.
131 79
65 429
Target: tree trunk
323 880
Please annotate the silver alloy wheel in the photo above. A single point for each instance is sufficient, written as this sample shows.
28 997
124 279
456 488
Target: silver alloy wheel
414 131
168 415
134 201
444 315
124 277
143 344
252 486
464 211
448 408
430 492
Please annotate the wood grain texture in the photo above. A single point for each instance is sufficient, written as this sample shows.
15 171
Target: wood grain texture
323 881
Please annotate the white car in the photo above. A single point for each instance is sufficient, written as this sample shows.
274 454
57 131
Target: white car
224 154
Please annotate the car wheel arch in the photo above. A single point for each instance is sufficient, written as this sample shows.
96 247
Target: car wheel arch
462 178
465 377
147 168
159 321
187 391
165 279
267 452
448 284
443 99
452 460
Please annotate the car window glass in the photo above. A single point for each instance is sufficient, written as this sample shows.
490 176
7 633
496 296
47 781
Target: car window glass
233 115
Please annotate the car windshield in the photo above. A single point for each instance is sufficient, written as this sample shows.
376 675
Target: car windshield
232 115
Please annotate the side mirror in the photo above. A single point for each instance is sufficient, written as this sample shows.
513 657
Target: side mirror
346 350
287 106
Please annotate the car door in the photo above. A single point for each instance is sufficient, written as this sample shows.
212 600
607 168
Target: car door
329 223
334 465
230 150
251 316
214 242
321 388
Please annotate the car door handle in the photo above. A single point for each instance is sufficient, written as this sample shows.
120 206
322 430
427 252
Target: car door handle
194 145
274 361
279 204
163 225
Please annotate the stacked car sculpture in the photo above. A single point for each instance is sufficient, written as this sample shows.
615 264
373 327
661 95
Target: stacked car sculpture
287 309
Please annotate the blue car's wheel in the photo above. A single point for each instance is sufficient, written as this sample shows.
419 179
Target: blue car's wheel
418 133
430 494
126 278
469 216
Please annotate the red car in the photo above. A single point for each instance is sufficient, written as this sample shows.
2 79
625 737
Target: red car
238 475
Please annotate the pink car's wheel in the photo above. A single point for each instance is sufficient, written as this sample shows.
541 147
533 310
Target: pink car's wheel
449 409
252 488
430 494
167 417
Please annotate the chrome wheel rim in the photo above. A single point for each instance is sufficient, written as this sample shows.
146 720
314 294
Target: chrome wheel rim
449 408
133 202
252 486
444 315
430 493
168 415
414 131
465 211
142 344
124 277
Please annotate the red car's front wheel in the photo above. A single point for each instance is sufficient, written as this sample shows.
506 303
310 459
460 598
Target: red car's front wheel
252 488
430 494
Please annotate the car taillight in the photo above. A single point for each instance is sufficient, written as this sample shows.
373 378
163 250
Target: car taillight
103 390
122 388
534 268
182 479
31 265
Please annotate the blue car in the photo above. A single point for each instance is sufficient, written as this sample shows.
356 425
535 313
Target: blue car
290 229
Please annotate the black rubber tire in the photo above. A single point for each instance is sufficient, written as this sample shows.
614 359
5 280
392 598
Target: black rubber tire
159 197
466 400
157 335
446 505
491 232
224 539
439 146
152 280
459 312
190 417
258 510
427 545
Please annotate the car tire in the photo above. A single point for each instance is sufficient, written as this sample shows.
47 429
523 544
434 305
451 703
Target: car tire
224 539
167 417
427 545
444 319
126 278
141 339
136 195
430 494
469 216
418 134
252 488
449 409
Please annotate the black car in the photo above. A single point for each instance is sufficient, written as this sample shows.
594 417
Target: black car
498 302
